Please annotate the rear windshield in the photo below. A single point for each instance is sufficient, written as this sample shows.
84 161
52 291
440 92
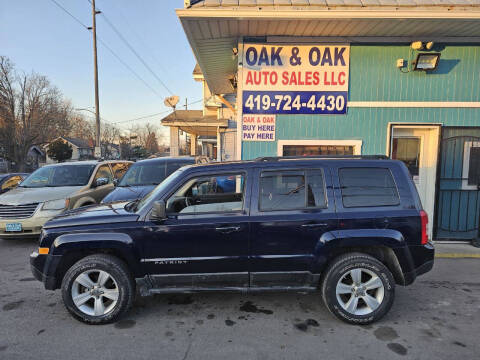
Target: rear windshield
368 187
150 172
61 175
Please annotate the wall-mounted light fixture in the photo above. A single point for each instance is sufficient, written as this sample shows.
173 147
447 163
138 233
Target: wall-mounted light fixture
426 61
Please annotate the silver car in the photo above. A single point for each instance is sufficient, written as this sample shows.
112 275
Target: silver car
53 189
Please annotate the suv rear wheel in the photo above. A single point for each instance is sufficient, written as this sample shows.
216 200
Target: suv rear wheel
98 289
358 289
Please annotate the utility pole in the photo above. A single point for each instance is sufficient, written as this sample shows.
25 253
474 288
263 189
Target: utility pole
186 143
98 152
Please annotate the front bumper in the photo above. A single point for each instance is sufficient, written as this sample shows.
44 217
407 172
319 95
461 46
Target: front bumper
43 269
31 227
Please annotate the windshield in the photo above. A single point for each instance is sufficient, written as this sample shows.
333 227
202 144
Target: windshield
160 188
2 177
62 175
149 173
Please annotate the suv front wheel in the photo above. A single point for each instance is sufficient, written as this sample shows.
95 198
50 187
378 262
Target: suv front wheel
358 289
98 289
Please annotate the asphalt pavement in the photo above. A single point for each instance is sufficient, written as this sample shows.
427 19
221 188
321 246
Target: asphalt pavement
438 317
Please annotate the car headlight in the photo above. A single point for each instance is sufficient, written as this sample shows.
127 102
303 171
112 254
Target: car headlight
55 204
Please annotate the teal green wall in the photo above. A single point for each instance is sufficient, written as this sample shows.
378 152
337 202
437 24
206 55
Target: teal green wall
374 77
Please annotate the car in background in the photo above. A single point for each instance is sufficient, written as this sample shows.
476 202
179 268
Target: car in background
143 176
52 189
11 181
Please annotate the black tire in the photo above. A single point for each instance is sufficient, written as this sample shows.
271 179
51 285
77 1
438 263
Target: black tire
339 268
117 270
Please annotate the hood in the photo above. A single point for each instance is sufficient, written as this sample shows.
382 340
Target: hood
122 193
91 215
20 195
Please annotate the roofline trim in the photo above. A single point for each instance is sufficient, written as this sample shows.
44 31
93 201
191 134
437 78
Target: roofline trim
443 12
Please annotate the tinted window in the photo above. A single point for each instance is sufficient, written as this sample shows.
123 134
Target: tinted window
174 165
144 173
316 189
206 194
285 190
367 187
60 175
282 190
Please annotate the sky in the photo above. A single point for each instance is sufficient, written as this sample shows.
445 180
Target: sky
38 36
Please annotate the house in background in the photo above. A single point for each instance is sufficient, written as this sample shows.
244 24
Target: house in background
36 157
81 149
110 151
211 131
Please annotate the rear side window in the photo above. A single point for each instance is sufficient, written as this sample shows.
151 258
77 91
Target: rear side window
289 190
367 187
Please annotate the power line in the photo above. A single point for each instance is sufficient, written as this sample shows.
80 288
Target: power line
70 14
140 40
108 48
152 115
128 67
135 53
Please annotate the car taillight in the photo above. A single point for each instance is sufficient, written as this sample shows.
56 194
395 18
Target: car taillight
424 220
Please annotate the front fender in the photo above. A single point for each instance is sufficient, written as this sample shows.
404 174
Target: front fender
118 243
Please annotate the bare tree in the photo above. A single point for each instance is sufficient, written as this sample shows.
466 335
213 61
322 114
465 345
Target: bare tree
32 112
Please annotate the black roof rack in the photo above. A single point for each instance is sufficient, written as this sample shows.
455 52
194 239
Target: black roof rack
311 157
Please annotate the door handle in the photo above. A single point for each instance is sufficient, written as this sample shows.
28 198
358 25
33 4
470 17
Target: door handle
227 229
314 225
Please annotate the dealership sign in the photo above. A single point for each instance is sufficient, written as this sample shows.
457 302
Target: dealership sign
307 79
258 127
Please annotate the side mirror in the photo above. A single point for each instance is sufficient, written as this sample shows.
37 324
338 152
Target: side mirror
159 212
100 182
115 182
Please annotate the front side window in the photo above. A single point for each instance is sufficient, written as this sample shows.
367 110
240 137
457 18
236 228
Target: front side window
59 175
208 194
367 187
286 190
104 172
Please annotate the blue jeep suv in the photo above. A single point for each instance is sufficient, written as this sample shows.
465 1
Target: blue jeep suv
350 228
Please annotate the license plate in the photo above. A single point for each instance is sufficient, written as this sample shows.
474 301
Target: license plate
13 227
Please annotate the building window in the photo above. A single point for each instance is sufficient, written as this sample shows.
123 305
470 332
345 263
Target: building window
407 149
471 165
363 187
306 150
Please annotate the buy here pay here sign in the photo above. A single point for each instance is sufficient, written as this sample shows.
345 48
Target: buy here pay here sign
304 79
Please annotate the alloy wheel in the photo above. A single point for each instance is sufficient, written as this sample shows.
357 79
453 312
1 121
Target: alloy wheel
95 292
360 291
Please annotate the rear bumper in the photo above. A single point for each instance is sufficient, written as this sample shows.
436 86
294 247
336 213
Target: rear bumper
43 269
422 260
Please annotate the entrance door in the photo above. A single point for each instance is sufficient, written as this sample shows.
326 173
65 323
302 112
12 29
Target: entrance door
417 147
459 187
